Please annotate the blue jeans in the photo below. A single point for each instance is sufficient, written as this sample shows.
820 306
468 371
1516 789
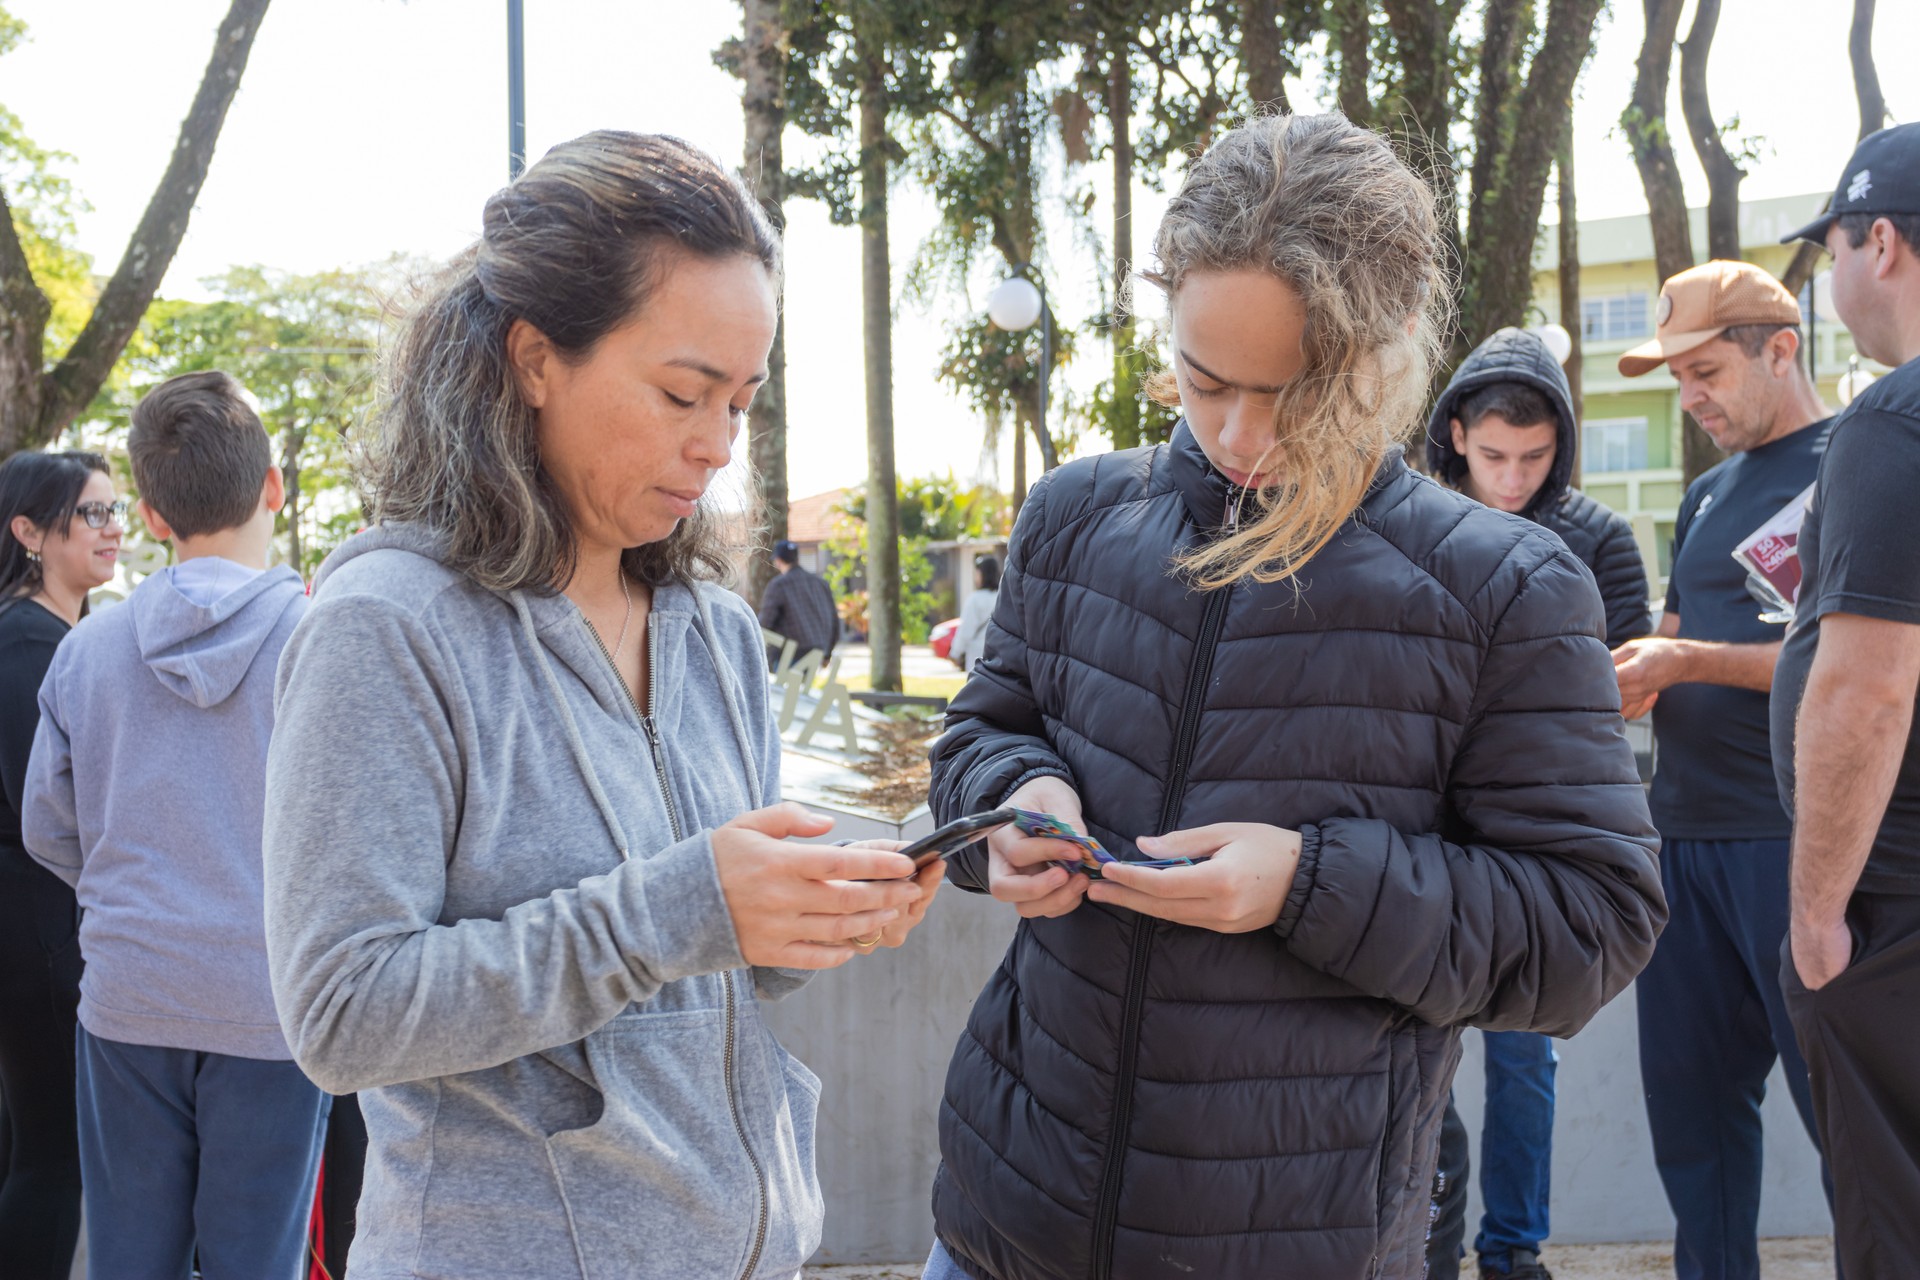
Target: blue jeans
1516 1146
1712 1022
941 1266
182 1150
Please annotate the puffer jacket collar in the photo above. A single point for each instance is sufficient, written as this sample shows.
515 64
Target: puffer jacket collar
1209 496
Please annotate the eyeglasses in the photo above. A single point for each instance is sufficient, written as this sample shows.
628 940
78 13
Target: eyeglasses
99 515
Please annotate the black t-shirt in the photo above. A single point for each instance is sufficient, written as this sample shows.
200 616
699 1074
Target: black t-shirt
1860 553
1713 779
28 636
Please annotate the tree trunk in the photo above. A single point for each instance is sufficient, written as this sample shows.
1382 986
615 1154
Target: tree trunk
1873 117
1352 34
1570 283
1019 457
293 442
1124 425
1266 66
1500 276
763 100
1866 80
69 386
1423 32
876 287
24 310
1506 27
1723 175
1645 122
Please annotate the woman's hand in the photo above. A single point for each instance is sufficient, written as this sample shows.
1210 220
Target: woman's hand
1020 868
799 906
1241 887
928 878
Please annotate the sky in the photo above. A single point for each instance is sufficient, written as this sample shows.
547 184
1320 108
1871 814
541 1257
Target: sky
368 127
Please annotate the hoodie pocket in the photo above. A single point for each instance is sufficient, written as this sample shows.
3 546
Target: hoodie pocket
796 1206
658 1184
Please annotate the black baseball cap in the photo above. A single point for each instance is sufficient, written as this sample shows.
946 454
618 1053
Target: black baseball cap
788 551
1882 177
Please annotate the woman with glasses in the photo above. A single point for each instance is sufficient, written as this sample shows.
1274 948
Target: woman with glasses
60 527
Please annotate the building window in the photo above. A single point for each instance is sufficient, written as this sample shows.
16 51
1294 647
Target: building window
1613 444
1616 319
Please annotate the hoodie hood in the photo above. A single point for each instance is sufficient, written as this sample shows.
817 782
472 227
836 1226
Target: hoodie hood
202 652
1508 355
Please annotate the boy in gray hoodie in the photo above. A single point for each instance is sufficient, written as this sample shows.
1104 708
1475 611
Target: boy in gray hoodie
146 792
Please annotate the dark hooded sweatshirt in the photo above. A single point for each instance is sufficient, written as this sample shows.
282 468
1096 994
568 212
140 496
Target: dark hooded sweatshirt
1600 537
1429 704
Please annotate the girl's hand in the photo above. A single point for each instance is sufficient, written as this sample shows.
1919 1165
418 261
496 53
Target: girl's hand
1240 888
1020 868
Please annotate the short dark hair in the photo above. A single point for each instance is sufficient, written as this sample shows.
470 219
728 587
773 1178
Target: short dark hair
199 453
1856 225
1753 338
1519 403
989 572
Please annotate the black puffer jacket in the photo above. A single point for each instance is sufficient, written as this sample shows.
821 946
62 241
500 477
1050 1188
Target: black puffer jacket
1433 709
1600 537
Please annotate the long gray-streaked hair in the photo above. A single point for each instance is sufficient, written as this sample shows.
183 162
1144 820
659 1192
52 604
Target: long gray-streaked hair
574 247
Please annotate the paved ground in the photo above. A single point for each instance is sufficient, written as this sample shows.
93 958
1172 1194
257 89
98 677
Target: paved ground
1802 1259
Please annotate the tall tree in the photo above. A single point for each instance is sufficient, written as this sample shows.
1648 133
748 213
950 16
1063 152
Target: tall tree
1645 123
1723 173
1873 118
1263 55
759 58
37 402
1511 162
876 291
1569 273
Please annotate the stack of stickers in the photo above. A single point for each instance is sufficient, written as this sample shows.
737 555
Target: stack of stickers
1092 856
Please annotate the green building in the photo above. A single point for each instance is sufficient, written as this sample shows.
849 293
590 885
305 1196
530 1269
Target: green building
1630 454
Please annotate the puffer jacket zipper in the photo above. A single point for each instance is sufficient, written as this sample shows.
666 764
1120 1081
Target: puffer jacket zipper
1140 946
649 724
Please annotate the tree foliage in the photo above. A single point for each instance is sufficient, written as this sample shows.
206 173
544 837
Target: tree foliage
40 395
305 346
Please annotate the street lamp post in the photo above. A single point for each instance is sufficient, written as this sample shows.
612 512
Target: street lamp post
1016 303
516 90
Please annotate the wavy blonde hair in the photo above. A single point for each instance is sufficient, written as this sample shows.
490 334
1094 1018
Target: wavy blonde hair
1328 208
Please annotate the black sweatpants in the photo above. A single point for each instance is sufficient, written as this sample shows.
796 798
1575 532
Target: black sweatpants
1861 1037
39 996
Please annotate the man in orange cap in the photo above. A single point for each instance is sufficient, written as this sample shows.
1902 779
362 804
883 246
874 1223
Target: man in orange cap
1712 1016
1846 741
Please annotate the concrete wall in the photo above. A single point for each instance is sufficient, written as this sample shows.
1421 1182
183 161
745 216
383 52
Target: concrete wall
880 1030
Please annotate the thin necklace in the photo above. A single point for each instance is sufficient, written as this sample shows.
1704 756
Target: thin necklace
620 643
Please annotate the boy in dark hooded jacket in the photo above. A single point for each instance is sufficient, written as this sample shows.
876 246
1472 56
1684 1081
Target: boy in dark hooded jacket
1503 433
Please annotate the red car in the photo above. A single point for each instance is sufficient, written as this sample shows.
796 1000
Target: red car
942 638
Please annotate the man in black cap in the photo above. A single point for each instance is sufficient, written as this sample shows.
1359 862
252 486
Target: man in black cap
798 604
1845 741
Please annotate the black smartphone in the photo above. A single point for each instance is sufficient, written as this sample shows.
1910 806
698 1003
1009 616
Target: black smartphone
956 835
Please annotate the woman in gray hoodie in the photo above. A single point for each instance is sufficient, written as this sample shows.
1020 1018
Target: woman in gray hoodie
525 861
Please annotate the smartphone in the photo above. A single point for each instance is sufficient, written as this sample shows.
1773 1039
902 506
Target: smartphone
957 835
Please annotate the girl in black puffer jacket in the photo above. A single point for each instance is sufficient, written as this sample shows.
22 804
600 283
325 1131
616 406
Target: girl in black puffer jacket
1382 712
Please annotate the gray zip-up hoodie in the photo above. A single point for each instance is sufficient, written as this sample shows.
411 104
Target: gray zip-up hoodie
145 792
492 908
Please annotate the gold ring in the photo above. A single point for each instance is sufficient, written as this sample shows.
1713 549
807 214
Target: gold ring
864 943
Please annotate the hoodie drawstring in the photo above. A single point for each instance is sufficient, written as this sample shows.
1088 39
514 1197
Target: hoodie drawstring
574 740
729 686
729 697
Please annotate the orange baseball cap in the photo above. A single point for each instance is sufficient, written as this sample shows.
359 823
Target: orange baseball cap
1699 305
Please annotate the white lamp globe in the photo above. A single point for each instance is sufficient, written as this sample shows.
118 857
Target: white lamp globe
1851 384
1559 341
1014 304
